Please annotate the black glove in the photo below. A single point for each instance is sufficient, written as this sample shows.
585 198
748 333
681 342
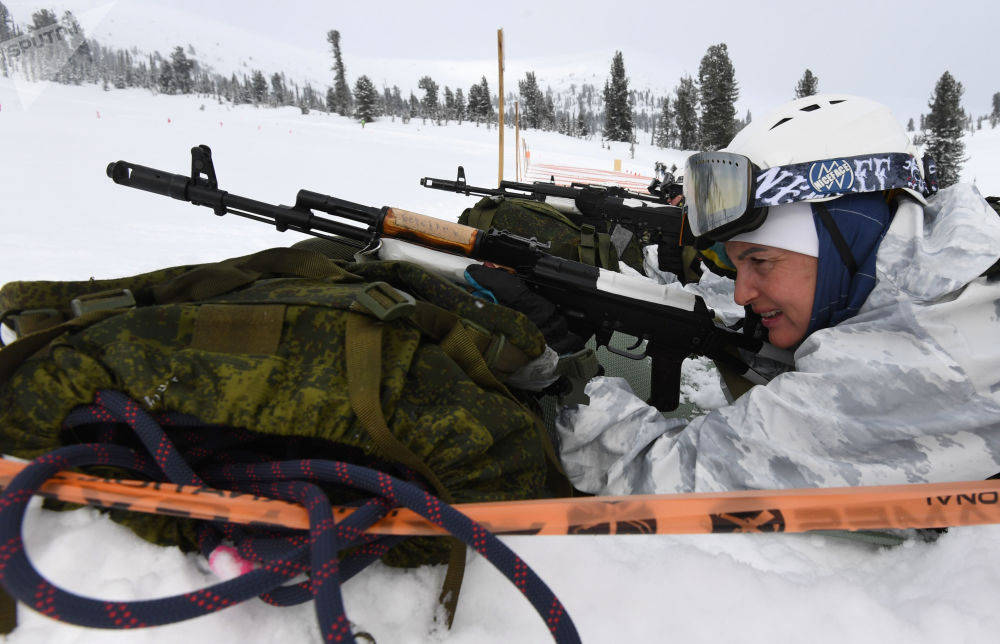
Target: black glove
512 292
670 258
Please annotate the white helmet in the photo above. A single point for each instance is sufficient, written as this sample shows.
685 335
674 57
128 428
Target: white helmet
824 126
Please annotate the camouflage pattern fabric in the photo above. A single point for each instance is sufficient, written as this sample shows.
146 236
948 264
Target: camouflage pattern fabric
529 218
906 391
269 356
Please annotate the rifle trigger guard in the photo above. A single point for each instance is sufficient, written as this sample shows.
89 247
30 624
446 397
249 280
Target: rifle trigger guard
627 352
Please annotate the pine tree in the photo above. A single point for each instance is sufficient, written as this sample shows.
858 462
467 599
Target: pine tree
181 67
718 98
581 128
618 122
686 115
532 102
480 102
995 114
258 87
279 92
165 79
459 105
413 108
6 23
7 30
339 97
945 125
666 127
43 18
808 85
474 105
365 100
548 112
308 101
449 104
429 103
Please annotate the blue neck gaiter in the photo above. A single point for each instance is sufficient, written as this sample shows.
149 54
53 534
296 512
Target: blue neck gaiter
862 220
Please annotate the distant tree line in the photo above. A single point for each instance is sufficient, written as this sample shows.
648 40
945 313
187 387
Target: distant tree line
56 49
617 113
699 114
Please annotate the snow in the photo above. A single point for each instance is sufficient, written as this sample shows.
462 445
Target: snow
64 219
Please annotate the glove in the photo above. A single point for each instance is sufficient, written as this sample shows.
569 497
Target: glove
510 291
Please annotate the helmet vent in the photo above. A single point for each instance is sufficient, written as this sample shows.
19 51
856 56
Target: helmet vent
839 100
810 108
784 120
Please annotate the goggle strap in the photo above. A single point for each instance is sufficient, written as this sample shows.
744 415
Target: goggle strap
837 177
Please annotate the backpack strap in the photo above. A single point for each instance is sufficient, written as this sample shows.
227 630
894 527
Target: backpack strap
608 254
485 355
26 315
481 218
363 341
20 350
596 249
209 280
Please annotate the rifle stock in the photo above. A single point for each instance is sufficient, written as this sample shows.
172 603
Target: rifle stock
674 323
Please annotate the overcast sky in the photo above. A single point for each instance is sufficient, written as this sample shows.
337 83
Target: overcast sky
890 51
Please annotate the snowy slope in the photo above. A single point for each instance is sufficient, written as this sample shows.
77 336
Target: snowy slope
63 218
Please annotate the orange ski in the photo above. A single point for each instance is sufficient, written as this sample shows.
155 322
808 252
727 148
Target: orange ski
926 505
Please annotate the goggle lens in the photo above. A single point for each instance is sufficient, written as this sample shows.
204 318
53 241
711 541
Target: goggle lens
716 190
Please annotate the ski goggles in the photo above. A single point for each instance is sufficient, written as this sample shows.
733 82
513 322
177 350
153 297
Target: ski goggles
725 194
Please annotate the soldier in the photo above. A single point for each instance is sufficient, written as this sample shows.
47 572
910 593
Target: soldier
888 296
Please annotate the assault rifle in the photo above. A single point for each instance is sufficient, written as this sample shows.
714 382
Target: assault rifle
665 183
650 217
673 322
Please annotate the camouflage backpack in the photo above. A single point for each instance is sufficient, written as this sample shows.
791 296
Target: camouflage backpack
380 364
569 239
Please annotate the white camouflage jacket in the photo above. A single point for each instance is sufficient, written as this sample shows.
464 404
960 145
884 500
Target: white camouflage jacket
906 391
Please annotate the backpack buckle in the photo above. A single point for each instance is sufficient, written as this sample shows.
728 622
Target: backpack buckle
385 302
30 320
121 298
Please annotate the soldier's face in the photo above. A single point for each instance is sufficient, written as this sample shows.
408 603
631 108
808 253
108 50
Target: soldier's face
779 285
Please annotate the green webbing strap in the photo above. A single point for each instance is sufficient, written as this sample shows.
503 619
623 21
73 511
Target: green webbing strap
737 384
596 249
210 280
588 254
331 247
460 348
501 357
609 256
481 218
364 377
483 355
8 612
12 355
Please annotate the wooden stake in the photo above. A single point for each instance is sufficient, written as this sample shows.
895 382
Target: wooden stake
500 64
